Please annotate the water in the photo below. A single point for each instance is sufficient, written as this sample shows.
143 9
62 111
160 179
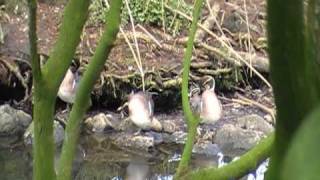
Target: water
15 164
97 160
100 159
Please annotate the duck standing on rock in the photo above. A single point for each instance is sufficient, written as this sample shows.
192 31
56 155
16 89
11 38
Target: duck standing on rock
68 87
141 108
207 105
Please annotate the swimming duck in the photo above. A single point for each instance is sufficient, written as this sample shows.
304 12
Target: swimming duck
207 105
141 108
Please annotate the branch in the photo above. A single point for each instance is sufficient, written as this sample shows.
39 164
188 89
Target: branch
192 121
35 61
75 15
85 87
240 167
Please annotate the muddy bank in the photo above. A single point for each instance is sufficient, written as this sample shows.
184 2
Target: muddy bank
240 128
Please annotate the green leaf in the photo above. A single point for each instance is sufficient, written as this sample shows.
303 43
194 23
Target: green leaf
301 161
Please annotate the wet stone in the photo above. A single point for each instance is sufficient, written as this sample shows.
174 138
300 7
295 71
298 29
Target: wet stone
58 135
235 141
169 126
206 148
255 123
13 121
101 121
126 140
178 137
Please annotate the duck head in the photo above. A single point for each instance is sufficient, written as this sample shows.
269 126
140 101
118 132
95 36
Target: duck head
210 106
195 100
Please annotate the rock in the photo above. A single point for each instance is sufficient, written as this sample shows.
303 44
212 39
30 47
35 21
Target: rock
169 126
254 122
235 141
101 121
130 141
206 148
207 135
58 134
158 137
12 121
178 137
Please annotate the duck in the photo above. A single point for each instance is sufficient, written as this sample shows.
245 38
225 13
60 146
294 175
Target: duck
207 105
68 87
141 108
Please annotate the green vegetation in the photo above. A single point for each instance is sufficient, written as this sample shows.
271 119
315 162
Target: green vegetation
149 12
191 120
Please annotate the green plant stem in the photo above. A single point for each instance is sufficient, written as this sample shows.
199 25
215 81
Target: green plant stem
192 121
43 147
85 87
240 167
35 61
313 32
46 83
294 74
74 18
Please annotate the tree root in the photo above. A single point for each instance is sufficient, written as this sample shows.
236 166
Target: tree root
14 68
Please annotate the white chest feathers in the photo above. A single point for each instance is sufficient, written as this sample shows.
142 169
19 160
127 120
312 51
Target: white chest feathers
140 113
211 109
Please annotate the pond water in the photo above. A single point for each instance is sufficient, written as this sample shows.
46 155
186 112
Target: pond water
99 159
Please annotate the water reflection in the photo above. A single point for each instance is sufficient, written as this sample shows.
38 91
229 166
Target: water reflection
103 160
15 164
99 159
137 170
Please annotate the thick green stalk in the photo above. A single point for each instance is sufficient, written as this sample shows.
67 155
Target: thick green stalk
74 18
240 167
85 87
43 147
46 84
35 61
192 121
294 73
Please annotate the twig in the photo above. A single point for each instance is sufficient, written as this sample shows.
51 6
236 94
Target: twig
222 43
150 35
136 44
261 106
15 71
245 101
214 72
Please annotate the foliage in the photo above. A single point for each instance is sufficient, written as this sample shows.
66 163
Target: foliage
15 6
150 12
